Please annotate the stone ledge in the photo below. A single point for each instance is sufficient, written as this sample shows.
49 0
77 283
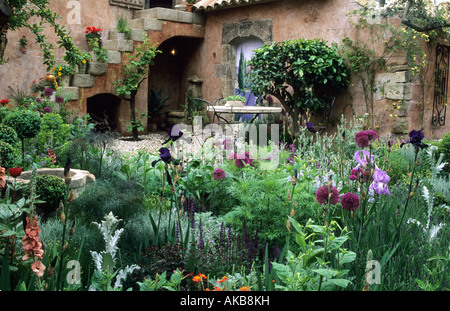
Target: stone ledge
69 92
83 80
118 45
97 68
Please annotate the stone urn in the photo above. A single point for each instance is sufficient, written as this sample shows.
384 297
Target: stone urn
80 179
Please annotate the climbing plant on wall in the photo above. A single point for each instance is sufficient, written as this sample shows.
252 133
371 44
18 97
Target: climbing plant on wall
135 71
21 16
385 38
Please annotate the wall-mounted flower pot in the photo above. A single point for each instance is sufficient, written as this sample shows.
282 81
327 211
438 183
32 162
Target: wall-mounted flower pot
23 50
121 36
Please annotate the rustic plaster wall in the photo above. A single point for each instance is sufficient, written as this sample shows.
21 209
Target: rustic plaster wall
326 19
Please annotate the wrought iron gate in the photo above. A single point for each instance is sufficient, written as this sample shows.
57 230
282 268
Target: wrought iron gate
441 85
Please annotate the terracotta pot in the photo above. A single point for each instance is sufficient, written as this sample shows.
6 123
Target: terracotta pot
23 50
189 6
153 122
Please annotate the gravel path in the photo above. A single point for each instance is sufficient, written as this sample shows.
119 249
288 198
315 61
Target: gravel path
150 142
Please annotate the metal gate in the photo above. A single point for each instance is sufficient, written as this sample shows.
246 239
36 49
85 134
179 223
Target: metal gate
441 85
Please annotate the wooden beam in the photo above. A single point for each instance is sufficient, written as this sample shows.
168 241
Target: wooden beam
5 9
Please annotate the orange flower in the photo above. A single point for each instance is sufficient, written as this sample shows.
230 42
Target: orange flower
197 278
222 280
244 289
202 276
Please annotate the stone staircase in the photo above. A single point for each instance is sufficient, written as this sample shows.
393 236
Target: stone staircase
143 22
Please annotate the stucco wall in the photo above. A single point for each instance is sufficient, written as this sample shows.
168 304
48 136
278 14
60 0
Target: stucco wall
326 19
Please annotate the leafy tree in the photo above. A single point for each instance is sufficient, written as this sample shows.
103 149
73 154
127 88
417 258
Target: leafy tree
300 73
135 71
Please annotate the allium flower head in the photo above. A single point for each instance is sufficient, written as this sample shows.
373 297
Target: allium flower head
48 92
322 195
363 138
47 109
59 100
218 174
350 201
15 172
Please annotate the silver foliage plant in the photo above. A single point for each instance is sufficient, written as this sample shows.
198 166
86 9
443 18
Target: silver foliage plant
111 236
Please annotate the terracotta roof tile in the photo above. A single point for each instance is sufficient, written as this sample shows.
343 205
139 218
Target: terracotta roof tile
210 5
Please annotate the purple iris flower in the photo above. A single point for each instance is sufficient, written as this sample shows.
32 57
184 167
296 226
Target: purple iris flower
174 134
380 181
415 139
363 158
310 127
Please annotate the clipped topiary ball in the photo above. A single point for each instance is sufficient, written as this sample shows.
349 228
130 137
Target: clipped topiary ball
7 156
26 123
50 189
8 134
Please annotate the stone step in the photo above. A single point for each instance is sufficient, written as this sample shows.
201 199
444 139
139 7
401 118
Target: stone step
114 57
118 45
164 14
69 92
83 80
98 68
148 24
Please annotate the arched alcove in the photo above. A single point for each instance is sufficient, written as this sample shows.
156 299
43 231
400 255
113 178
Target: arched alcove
171 69
103 109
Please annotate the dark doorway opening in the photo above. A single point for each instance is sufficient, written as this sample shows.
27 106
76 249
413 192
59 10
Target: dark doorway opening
169 4
103 110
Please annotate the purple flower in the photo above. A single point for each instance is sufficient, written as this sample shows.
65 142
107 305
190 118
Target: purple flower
310 127
361 139
48 92
362 157
357 173
380 181
38 100
322 195
218 174
350 201
174 134
59 100
415 139
371 134
47 110
164 154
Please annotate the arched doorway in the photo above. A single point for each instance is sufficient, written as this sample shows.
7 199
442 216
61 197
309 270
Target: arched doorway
103 110
171 70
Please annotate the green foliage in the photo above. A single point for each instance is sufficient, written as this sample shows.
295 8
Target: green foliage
26 123
236 98
7 155
320 263
444 147
54 132
398 164
8 135
51 189
314 70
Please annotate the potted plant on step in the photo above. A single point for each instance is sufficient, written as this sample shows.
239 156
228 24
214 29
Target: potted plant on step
23 44
156 103
64 72
123 31
93 37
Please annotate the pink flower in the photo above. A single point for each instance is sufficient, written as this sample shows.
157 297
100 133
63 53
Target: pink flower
30 242
322 195
38 268
350 201
218 174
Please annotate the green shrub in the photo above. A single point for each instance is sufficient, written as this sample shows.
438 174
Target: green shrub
54 132
26 123
399 166
6 154
444 147
8 134
50 189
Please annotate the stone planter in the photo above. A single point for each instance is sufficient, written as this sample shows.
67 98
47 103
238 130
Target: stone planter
121 36
80 179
